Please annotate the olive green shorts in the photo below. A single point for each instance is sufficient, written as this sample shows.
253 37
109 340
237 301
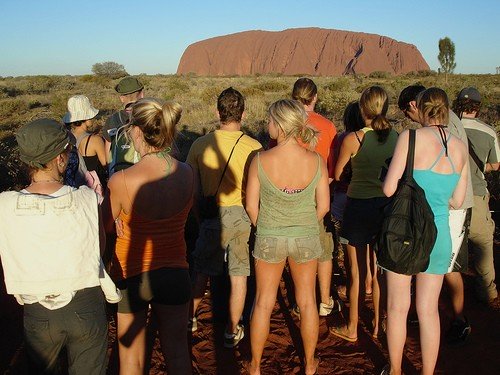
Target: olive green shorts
326 240
276 249
224 239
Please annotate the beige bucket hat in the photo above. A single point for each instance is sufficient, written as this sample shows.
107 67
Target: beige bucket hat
79 109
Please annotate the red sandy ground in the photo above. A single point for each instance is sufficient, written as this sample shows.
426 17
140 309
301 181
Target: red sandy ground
480 354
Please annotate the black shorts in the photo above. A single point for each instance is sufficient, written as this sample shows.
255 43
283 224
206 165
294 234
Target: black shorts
166 286
362 219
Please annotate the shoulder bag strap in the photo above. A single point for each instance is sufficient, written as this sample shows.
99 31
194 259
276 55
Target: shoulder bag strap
474 156
224 171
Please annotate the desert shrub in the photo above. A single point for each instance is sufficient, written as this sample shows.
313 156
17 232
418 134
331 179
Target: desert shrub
97 80
12 107
271 85
59 105
252 91
338 84
40 84
10 92
177 85
210 94
332 104
109 69
421 73
32 104
380 74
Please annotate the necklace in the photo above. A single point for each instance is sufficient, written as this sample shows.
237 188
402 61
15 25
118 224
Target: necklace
161 154
44 182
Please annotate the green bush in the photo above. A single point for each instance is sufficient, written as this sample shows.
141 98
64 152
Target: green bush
380 74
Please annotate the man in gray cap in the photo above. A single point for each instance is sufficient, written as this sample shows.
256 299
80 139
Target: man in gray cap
484 154
121 152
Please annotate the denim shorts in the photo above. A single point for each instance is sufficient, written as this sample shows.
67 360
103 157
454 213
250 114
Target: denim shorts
276 249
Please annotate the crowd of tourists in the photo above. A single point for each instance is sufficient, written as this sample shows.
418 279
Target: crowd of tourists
104 218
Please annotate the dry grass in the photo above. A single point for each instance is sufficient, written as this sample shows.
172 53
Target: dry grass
26 98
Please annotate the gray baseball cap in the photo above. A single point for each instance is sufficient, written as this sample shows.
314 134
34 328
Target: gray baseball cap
470 93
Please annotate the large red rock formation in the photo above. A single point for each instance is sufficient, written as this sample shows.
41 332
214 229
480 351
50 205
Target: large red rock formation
311 51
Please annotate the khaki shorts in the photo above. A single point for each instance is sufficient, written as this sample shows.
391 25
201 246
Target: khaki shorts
326 240
222 239
276 249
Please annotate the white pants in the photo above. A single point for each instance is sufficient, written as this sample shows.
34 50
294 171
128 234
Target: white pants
457 232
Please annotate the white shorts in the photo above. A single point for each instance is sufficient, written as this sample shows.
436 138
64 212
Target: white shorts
457 232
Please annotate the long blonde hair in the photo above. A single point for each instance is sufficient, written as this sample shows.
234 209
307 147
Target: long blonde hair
157 121
291 118
433 104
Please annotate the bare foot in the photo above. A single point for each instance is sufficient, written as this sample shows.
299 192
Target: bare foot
312 368
252 369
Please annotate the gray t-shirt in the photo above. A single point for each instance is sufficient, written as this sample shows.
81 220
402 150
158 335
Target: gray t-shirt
484 141
456 128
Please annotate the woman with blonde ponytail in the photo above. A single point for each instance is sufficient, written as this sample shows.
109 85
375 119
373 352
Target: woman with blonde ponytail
287 195
369 150
441 169
152 200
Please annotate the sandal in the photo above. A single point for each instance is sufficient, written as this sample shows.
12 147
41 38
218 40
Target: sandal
342 333
382 328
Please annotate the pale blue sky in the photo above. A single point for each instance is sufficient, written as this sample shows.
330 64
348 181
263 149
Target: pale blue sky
69 36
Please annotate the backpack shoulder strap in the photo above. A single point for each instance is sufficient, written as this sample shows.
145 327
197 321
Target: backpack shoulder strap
411 154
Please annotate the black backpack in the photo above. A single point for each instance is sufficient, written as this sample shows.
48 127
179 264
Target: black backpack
408 232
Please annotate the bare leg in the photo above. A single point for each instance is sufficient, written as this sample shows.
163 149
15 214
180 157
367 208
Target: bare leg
304 278
173 337
236 301
267 278
378 301
428 290
325 279
199 288
368 279
357 272
131 332
398 303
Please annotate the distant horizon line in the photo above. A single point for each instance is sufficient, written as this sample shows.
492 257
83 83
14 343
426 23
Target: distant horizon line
192 74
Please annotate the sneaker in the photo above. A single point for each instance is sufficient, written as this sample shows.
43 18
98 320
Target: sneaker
386 370
232 339
295 311
193 325
332 306
458 332
342 292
